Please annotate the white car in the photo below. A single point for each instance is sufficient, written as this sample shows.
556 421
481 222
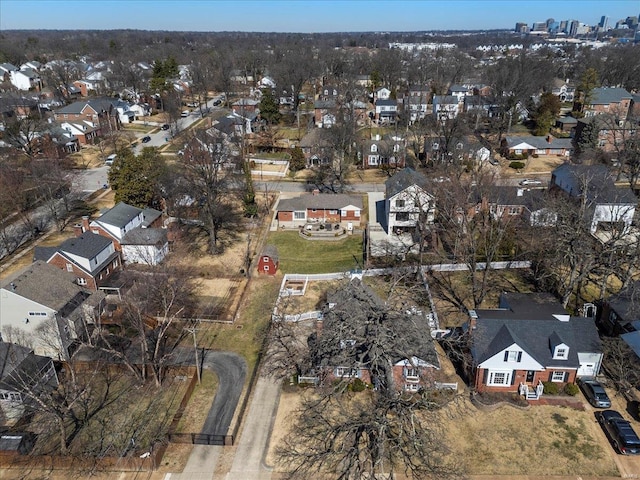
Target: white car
530 181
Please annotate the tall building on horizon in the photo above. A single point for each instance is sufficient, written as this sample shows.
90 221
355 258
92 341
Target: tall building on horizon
604 23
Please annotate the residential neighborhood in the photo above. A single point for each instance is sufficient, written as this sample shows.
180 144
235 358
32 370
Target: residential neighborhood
237 255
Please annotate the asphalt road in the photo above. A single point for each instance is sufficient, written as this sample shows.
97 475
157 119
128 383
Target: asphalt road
232 372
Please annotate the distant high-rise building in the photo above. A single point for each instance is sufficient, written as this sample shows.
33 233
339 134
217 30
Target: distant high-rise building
573 27
621 24
632 22
549 22
563 26
539 27
521 27
604 23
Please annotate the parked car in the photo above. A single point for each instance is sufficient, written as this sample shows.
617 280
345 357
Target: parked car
595 393
146 139
110 159
624 439
185 114
530 181
165 126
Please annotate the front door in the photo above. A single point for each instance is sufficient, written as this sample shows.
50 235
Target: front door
530 375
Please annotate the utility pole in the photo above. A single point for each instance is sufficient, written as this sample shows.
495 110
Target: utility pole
192 330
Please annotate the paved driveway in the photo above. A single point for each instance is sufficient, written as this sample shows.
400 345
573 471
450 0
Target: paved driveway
232 372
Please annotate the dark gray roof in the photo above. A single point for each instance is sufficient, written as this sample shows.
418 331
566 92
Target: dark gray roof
541 142
530 324
103 104
386 103
19 366
626 303
150 215
324 104
567 120
355 302
145 236
532 199
402 180
601 186
45 284
270 251
327 201
87 245
445 99
317 137
120 215
43 253
605 96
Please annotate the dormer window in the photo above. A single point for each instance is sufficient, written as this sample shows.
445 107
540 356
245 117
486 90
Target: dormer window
374 148
561 352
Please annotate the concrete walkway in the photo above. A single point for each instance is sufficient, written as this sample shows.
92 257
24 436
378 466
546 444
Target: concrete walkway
248 463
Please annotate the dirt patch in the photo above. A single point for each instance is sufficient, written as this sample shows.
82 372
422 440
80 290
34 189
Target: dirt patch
290 402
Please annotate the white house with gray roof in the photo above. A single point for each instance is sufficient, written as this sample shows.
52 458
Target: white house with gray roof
407 202
43 308
529 339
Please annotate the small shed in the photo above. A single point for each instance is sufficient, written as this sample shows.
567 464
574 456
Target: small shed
268 263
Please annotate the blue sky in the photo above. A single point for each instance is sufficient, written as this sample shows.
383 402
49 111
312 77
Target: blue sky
302 15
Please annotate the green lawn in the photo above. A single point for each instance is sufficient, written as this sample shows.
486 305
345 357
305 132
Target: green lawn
298 255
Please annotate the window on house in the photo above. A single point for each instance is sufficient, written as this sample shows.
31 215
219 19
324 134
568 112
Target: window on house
265 259
411 372
557 376
69 267
402 216
396 148
347 343
356 213
512 356
561 352
374 148
266 268
299 215
95 232
333 212
499 378
400 203
412 387
514 210
345 372
81 281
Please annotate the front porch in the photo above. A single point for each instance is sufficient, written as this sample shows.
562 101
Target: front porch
530 391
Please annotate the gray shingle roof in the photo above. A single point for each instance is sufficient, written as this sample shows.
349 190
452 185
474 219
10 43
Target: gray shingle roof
120 215
145 236
605 96
45 284
541 143
356 301
87 245
445 99
402 180
327 201
103 104
270 251
150 215
532 326
601 187
386 103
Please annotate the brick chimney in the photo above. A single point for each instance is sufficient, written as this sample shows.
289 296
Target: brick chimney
549 139
85 223
77 230
315 191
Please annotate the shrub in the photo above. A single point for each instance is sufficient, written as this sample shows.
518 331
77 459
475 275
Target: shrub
516 165
550 388
571 389
358 385
321 226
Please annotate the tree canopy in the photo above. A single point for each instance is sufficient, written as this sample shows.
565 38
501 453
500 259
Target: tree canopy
135 178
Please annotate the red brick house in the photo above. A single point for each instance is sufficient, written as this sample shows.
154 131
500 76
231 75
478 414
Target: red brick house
320 208
91 258
336 356
614 101
528 340
268 262
101 113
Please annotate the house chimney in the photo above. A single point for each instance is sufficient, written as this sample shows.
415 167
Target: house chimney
77 230
85 223
473 319
315 191
549 139
520 192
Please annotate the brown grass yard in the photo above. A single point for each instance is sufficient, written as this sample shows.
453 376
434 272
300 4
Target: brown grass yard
198 407
542 440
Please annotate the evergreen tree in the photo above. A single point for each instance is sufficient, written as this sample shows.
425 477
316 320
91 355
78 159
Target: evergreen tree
269 109
134 178
297 161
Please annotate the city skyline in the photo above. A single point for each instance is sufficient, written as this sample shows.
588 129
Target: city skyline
303 16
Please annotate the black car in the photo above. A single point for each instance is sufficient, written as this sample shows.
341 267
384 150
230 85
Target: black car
595 393
165 126
624 439
146 139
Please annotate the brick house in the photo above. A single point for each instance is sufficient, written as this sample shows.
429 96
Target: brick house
614 101
528 340
324 113
269 260
612 133
100 113
91 258
320 208
384 151
411 354
406 200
